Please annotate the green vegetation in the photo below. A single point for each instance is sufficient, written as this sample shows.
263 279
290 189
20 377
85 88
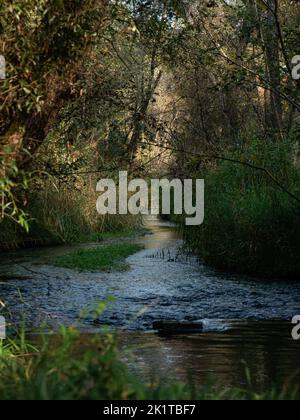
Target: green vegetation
67 122
166 88
141 100
75 367
115 234
42 43
66 217
250 224
104 258
62 371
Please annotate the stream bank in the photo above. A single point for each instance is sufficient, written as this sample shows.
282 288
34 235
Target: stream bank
245 319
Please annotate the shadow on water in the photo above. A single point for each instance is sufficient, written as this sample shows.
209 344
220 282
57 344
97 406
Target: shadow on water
164 284
265 348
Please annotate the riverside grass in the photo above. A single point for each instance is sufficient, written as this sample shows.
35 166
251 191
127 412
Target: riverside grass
103 258
65 216
71 366
251 226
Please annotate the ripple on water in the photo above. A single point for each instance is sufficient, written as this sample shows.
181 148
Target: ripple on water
162 284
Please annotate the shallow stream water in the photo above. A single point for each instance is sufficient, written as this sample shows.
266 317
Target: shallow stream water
246 320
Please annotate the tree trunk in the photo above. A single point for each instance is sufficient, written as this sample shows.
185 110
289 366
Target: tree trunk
273 105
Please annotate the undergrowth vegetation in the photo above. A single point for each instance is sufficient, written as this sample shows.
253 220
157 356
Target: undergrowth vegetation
251 224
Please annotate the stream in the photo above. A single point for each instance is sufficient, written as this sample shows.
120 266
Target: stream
247 321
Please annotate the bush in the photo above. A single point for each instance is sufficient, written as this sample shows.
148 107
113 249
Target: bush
251 225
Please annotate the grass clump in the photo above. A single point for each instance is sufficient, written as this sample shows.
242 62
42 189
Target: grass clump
58 369
104 258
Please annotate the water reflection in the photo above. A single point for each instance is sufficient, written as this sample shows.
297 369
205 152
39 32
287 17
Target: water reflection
265 348
164 284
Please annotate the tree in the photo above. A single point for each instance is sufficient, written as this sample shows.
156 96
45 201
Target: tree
44 44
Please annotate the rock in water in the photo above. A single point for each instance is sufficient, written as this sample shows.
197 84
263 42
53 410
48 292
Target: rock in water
177 327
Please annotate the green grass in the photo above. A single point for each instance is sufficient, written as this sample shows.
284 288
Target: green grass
75 367
104 258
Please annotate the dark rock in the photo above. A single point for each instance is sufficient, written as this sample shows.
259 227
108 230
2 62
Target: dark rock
177 327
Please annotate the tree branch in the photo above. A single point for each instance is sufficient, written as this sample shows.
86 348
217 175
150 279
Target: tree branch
232 160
